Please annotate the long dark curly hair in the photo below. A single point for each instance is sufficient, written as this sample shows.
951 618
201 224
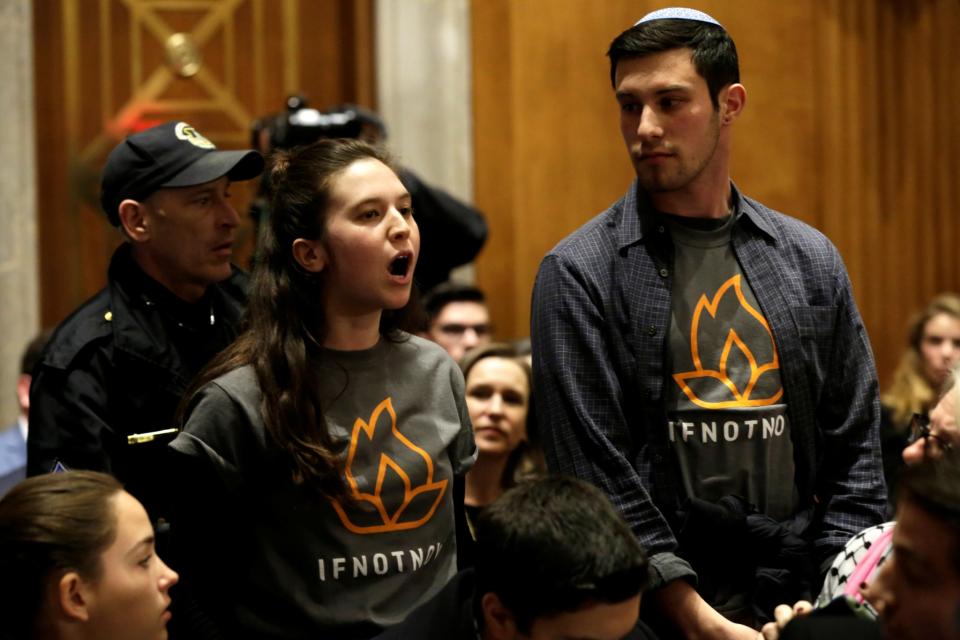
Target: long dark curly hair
285 325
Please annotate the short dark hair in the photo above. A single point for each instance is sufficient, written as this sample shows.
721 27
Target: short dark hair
447 292
552 545
50 525
714 53
933 486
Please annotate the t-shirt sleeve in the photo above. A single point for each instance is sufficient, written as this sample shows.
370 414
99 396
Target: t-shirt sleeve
207 512
210 433
463 449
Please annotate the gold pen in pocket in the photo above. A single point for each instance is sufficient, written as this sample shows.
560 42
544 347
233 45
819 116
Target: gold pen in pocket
141 438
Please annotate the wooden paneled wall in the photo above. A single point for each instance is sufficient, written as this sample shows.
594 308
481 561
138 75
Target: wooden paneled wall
102 71
888 154
850 126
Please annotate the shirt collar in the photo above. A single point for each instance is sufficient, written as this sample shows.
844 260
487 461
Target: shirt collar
638 211
151 294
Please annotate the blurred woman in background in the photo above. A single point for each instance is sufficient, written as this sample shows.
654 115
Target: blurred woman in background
934 349
77 561
498 389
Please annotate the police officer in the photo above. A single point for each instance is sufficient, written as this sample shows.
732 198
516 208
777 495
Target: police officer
106 392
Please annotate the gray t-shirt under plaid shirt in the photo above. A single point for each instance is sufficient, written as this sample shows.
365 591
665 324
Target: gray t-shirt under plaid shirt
600 321
727 417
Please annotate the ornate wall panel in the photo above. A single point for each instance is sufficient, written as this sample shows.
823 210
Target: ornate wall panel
106 68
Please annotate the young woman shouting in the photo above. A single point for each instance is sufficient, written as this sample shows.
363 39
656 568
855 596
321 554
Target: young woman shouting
320 450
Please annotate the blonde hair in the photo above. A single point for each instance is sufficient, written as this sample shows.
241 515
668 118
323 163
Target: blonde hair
910 391
951 386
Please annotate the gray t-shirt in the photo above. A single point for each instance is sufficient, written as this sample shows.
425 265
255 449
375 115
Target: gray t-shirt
317 567
727 417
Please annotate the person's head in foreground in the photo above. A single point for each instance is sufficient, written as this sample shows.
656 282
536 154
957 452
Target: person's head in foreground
77 561
556 561
917 593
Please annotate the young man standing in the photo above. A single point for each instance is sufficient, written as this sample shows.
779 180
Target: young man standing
700 358
105 393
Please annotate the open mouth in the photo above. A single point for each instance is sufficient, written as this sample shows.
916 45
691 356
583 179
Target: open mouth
400 265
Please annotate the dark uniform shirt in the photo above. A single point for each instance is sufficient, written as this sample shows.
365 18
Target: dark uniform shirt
116 369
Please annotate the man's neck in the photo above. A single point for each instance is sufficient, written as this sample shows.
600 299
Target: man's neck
188 291
707 199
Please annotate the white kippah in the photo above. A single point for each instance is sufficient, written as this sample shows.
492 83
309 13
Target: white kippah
678 13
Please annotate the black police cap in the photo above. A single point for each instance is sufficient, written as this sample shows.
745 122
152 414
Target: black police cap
173 154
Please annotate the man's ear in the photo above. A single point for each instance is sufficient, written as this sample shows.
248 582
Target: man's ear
732 100
74 597
134 220
498 621
310 254
23 391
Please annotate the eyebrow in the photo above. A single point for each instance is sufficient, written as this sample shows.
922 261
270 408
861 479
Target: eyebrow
368 201
195 192
147 541
658 92
209 187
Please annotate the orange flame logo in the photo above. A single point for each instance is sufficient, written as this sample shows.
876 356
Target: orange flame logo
403 495
716 382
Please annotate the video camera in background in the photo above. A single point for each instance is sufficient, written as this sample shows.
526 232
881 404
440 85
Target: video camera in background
301 124
451 231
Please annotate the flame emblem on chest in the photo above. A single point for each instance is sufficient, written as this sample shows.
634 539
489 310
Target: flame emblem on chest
391 479
729 376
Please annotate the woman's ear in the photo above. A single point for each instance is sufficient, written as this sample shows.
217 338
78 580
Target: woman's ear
134 220
310 254
74 597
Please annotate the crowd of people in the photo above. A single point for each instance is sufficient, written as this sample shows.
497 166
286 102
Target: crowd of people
691 445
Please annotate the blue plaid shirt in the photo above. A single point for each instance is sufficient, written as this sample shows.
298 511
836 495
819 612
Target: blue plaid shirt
600 323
